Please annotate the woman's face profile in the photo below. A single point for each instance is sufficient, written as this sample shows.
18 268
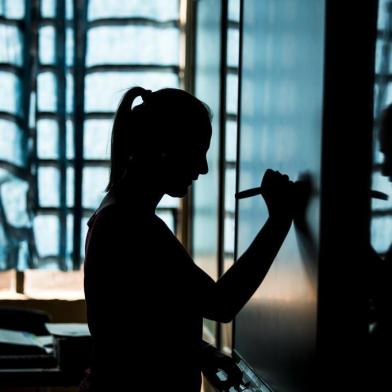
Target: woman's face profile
184 164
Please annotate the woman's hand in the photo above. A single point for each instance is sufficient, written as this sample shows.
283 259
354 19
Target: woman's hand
279 194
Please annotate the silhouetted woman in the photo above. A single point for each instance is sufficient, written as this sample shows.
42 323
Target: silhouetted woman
146 298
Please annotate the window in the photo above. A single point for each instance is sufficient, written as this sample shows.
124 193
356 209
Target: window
64 66
216 83
381 223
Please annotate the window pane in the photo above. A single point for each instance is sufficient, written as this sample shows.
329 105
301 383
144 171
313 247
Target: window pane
47 139
69 93
381 229
233 47
234 10
70 186
382 184
230 190
11 49
13 199
83 236
46 232
11 142
47 92
168 218
69 46
70 139
229 235
104 90
70 222
95 180
48 8
12 9
231 141
157 9
97 139
47 39
232 93
10 96
48 186
133 45
169 202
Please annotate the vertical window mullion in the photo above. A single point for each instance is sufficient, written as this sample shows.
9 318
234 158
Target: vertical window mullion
80 23
61 112
237 164
29 109
222 150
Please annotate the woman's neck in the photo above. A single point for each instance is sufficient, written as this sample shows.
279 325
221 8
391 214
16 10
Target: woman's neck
142 199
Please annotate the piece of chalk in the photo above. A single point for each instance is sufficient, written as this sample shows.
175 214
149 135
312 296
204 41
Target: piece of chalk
257 191
248 193
378 195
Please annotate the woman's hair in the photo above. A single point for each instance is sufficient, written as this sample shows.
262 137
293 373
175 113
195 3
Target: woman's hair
164 121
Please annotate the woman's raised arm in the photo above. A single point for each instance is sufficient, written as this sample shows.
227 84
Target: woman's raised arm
223 299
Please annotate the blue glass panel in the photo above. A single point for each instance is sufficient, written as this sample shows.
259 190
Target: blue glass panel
69 93
231 141
132 45
69 46
13 197
46 233
69 9
378 59
95 180
169 202
70 139
3 249
234 10
46 45
233 47
382 184
231 93
383 13
12 9
47 92
97 135
104 90
83 236
10 142
48 186
48 8
205 192
70 186
70 222
229 235
47 139
381 229
10 92
168 218
11 47
230 180
388 93
157 9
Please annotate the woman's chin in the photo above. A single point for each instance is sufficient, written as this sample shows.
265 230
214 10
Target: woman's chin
178 191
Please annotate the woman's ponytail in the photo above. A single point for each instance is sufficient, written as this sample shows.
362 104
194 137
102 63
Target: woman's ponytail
120 135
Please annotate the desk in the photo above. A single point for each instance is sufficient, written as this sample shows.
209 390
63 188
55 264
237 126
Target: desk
65 368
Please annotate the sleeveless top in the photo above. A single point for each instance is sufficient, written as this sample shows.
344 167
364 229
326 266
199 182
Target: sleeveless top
144 299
